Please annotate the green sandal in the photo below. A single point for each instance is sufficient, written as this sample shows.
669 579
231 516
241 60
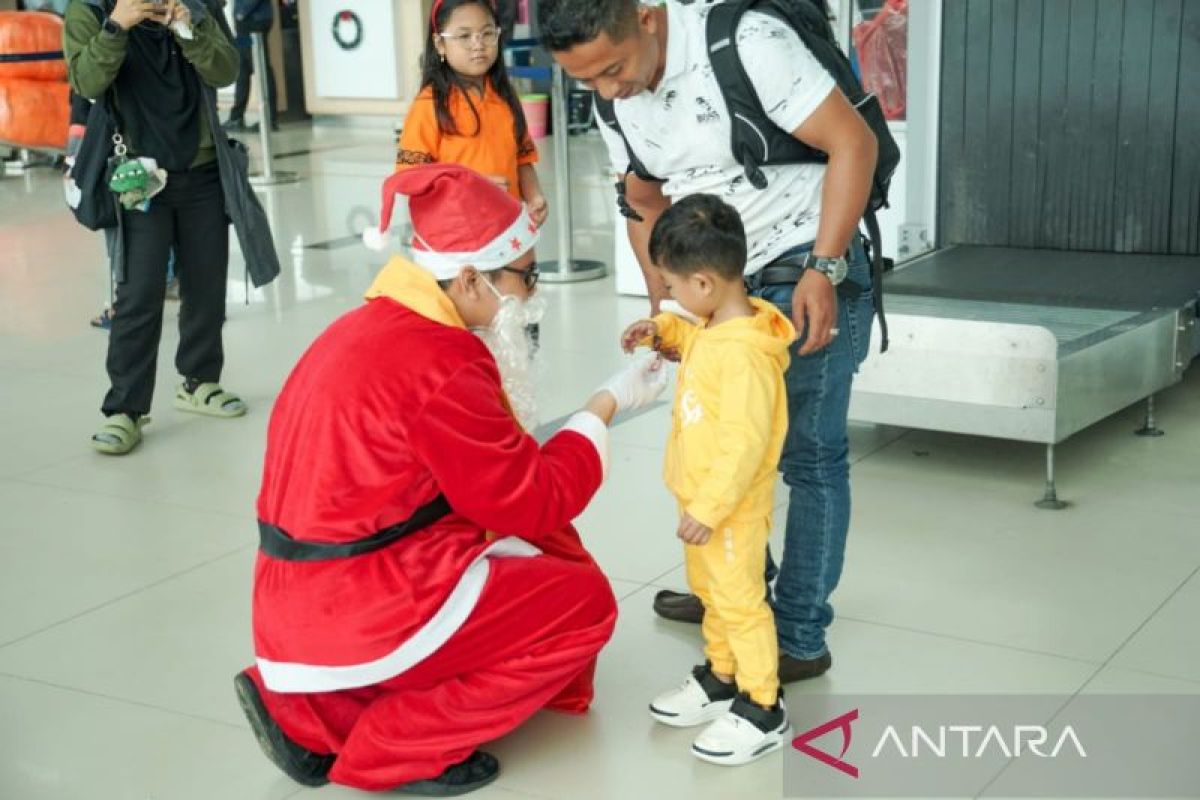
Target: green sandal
209 399
119 434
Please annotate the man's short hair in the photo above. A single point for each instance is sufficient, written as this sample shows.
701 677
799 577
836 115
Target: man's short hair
700 232
562 24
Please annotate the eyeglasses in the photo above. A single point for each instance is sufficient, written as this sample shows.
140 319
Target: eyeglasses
487 36
528 276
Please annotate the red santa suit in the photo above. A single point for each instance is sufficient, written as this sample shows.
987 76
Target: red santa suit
402 660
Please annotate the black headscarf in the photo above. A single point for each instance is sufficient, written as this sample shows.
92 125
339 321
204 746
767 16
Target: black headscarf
158 95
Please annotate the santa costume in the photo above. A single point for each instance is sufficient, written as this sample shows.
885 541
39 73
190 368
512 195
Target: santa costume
419 589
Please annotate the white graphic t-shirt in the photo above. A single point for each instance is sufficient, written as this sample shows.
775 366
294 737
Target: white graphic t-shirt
681 131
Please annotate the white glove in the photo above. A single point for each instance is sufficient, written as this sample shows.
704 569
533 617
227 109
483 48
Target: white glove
639 384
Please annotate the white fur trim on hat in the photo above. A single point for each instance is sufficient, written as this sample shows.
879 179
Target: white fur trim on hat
517 240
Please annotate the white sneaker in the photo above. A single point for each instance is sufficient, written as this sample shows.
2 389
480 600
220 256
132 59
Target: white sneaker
746 733
700 699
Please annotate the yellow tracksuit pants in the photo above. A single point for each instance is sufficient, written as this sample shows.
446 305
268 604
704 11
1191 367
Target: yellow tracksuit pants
726 573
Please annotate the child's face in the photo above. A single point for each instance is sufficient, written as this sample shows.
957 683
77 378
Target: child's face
696 292
469 42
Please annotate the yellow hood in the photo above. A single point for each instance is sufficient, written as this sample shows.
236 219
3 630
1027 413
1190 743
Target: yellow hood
412 287
768 331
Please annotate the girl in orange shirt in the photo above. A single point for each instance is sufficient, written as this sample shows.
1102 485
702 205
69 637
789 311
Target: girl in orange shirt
467 112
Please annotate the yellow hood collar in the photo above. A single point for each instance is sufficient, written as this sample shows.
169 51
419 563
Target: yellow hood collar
768 330
412 287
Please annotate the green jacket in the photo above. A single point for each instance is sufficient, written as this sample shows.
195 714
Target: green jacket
94 58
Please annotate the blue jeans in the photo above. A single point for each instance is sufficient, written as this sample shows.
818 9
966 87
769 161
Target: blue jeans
815 465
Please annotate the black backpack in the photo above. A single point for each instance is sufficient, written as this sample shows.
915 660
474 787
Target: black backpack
756 140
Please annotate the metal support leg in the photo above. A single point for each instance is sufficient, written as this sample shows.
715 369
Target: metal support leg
268 176
566 269
1050 499
1149 425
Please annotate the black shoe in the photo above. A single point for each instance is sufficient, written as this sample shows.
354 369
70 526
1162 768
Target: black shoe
237 125
474 772
793 669
679 606
298 763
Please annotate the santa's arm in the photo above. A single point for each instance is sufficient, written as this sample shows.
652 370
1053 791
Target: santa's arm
494 473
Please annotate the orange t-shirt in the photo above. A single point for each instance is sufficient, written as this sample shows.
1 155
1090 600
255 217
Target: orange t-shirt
489 147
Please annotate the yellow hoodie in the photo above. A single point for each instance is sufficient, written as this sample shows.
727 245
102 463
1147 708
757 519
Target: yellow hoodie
730 415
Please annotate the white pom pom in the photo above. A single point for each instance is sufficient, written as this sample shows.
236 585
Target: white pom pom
376 239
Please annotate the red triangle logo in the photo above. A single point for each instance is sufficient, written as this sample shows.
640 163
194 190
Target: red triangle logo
842 723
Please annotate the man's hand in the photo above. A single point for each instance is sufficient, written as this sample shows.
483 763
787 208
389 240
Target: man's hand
692 531
814 311
128 13
635 333
539 209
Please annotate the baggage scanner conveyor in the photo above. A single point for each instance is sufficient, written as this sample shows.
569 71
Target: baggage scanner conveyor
1029 345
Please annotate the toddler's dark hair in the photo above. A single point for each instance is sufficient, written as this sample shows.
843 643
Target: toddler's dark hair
699 232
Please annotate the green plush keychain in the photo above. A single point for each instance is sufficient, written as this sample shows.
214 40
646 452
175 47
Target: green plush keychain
136 180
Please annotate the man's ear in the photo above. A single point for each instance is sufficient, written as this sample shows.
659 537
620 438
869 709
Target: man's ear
647 20
468 282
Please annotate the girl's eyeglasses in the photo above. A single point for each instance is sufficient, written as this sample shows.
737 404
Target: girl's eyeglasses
488 36
528 276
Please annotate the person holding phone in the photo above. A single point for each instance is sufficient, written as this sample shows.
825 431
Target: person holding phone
154 62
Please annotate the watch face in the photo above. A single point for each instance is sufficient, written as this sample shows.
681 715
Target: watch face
833 268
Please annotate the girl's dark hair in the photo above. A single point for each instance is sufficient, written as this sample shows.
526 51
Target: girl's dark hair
442 77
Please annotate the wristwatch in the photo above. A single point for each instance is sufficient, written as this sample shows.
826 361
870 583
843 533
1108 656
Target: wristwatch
833 268
111 28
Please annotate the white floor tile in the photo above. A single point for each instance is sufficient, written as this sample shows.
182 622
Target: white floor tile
59 744
1169 643
65 552
175 646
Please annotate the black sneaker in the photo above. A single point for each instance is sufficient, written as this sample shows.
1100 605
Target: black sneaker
679 606
792 669
298 763
474 772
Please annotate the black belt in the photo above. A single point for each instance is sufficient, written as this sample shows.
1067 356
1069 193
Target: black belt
787 270
277 543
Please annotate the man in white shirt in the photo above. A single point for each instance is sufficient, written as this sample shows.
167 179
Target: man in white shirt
653 63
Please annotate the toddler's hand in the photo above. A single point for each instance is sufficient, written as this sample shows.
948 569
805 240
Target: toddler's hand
635 333
692 531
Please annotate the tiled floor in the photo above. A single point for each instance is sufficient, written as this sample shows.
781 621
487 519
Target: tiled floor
124 583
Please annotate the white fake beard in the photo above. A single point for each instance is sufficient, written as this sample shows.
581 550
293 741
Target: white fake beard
511 345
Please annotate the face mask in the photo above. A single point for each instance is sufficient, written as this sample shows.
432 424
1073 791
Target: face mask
531 310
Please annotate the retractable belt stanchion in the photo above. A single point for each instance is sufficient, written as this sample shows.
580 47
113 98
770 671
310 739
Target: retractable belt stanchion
566 269
269 175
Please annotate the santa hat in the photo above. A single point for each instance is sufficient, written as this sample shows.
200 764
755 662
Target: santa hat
459 219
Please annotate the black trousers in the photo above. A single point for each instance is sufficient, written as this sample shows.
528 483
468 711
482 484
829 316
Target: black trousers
189 216
241 92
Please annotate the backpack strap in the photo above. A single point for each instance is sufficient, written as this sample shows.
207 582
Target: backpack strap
757 141
608 116
877 270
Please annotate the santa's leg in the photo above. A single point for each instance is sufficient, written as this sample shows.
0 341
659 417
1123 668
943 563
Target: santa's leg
538 625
